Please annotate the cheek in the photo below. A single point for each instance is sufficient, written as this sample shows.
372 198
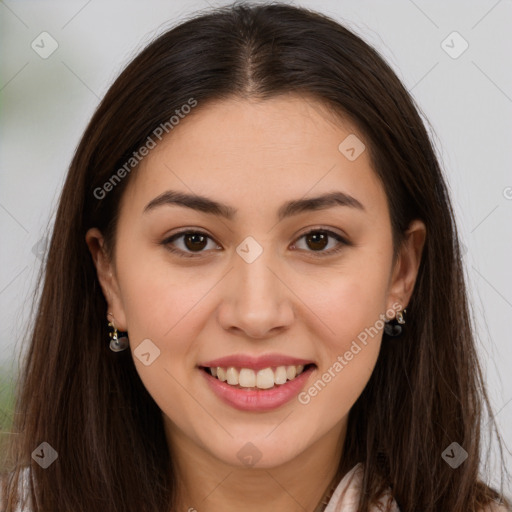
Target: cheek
164 307
350 304
348 354
353 315
161 305
350 300
158 297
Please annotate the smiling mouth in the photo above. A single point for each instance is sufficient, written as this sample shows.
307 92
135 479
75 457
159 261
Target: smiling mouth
247 378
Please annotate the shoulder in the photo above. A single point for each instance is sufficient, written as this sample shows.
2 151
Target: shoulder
346 495
23 490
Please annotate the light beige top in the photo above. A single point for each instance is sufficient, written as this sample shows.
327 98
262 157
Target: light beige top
346 496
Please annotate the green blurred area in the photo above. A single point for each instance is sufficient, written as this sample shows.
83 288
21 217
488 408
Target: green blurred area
6 399
7 389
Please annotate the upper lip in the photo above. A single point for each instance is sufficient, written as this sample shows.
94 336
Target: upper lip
255 363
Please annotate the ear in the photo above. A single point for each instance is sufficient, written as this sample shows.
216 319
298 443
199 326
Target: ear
107 277
407 264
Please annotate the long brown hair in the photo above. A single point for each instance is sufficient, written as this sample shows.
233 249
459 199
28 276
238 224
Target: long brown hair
89 403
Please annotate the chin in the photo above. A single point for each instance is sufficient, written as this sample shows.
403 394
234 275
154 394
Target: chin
261 451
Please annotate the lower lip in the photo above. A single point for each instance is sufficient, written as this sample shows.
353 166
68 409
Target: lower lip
261 399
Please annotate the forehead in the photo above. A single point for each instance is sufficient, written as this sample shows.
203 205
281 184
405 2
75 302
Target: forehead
260 151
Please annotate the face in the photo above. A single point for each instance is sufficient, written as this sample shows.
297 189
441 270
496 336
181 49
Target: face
272 278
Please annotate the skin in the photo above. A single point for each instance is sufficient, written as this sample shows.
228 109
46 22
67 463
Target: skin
254 156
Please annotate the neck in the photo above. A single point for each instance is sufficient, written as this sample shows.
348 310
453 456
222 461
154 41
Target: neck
208 484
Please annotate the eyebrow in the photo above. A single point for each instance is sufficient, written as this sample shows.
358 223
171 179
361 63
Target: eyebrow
288 209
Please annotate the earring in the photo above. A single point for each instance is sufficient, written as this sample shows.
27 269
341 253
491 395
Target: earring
394 328
118 339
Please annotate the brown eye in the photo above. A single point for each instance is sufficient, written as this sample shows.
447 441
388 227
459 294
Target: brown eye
193 243
319 239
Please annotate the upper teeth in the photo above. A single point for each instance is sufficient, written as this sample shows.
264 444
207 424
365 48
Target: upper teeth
263 379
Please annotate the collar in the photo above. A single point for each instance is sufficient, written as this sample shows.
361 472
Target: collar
346 495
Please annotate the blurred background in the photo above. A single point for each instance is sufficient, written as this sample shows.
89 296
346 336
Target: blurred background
58 59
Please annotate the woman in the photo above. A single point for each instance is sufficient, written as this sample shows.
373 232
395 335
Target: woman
253 294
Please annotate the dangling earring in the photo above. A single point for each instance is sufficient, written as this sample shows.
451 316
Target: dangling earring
118 339
394 327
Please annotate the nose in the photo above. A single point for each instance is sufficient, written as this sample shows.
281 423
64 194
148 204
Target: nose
256 299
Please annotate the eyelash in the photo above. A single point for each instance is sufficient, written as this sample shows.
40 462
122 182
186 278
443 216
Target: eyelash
342 242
